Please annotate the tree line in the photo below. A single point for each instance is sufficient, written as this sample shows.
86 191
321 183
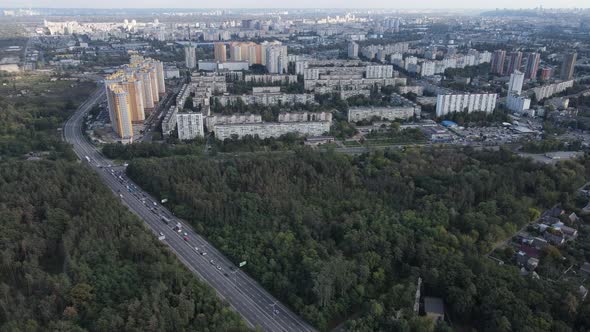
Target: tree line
344 239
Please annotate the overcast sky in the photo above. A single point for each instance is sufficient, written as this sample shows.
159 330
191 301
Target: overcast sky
403 4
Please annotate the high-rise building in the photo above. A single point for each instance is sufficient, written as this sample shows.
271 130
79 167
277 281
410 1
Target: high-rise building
353 50
568 65
516 82
190 56
132 90
532 66
119 107
498 62
161 76
220 52
546 73
514 62
235 52
277 59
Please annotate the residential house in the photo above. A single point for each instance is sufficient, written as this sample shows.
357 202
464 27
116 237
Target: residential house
554 236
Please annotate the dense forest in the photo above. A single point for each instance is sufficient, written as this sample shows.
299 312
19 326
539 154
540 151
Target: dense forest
344 239
32 110
72 258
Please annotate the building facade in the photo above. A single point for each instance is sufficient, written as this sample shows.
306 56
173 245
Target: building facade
190 125
383 113
450 103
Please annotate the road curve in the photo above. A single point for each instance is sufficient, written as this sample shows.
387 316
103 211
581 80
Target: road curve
258 308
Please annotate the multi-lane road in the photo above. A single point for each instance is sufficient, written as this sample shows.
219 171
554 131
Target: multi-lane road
258 308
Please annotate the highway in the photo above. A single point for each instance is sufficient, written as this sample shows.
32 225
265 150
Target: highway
257 307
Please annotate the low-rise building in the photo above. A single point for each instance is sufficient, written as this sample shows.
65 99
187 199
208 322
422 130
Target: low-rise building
386 113
271 78
212 120
549 90
517 103
303 123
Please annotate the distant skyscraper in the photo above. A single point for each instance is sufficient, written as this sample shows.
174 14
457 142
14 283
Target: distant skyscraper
514 62
515 83
498 62
353 50
220 52
568 65
190 56
532 66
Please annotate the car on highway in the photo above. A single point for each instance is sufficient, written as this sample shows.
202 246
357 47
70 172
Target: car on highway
203 254
197 248
212 262
185 238
219 267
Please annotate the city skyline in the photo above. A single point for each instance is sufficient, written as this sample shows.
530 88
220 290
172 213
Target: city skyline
344 4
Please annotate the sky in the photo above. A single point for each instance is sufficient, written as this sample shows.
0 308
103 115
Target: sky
401 4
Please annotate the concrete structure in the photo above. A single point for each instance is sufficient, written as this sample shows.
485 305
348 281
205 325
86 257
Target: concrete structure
568 65
546 73
119 103
517 103
383 113
300 67
311 74
271 78
549 90
270 97
218 119
304 123
210 65
276 59
132 90
353 50
514 62
190 56
379 71
415 89
457 102
516 82
169 121
427 68
190 125
171 72
220 52
532 66
498 62
337 85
